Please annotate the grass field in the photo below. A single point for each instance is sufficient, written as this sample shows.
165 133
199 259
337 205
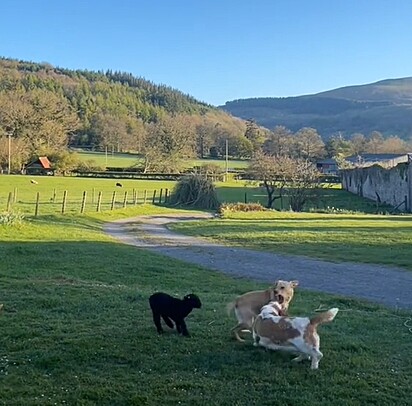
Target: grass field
119 160
51 190
76 330
336 237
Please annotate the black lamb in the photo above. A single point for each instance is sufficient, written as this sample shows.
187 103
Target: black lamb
170 308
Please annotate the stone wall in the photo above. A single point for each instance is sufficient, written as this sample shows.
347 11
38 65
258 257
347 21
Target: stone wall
391 186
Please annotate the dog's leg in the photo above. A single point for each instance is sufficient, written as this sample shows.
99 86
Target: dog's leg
316 357
167 321
300 357
156 320
235 331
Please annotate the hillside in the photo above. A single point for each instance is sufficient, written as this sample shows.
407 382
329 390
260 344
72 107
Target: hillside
384 106
102 100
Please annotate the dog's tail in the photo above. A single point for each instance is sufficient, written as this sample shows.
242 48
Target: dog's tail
230 306
324 317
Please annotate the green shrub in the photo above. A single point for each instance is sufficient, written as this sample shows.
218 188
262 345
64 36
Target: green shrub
10 218
195 190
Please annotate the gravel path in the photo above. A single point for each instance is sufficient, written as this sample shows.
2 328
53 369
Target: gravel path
377 283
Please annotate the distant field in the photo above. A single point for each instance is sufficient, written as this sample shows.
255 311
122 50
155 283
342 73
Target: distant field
129 160
51 189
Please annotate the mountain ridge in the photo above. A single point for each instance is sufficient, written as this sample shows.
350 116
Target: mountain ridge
384 106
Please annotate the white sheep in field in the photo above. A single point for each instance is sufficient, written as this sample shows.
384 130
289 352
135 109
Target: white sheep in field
34 181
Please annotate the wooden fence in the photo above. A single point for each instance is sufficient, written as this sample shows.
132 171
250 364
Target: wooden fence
97 201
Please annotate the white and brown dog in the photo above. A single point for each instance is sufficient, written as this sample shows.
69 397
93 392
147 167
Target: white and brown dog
248 305
295 334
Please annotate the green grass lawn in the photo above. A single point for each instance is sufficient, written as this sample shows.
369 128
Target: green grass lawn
76 329
336 237
51 189
120 160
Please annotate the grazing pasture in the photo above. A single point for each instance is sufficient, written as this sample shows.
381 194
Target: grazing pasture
76 329
51 192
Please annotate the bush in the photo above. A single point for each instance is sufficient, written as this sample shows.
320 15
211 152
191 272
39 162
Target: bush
195 190
242 207
10 218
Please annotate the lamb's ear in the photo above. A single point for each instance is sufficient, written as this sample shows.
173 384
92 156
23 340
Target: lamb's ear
294 284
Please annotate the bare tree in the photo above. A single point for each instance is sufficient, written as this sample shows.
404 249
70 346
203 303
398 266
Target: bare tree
278 175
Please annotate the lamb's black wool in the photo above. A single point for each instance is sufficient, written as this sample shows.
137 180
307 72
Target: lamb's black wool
170 308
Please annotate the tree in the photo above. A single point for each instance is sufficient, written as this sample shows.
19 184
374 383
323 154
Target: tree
279 142
273 173
374 142
393 145
43 119
299 177
169 141
310 144
254 135
358 144
304 184
338 145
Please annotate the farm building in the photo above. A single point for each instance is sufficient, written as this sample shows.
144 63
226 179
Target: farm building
328 166
41 166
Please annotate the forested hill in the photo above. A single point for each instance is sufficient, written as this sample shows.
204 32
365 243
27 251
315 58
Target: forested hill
100 97
99 89
384 106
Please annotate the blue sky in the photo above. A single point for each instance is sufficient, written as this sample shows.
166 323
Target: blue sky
218 50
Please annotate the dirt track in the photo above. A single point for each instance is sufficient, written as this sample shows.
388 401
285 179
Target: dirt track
380 284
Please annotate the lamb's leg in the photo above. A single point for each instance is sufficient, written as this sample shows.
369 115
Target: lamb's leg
181 328
156 320
168 321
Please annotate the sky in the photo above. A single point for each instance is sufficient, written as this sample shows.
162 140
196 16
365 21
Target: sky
218 50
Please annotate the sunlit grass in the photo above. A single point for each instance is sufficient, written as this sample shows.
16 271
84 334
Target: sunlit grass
122 160
336 237
76 329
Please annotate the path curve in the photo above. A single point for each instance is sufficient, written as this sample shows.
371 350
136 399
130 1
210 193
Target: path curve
377 283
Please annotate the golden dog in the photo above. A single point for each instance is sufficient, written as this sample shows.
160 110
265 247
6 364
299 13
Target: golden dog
248 305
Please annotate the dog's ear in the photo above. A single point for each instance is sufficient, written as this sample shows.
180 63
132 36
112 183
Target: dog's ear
294 284
276 283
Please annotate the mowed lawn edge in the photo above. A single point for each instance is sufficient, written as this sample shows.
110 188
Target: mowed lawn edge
76 329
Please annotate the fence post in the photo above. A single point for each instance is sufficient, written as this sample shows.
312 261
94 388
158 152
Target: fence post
113 200
134 196
125 199
36 210
93 194
54 196
64 201
166 195
245 197
160 195
99 202
82 207
9 200
145 197
154 196
15 195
